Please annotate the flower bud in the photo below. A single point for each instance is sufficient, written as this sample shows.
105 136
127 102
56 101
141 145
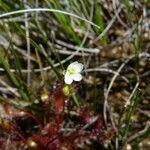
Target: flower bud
66 90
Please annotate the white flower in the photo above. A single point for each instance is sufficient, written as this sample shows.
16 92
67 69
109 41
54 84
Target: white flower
73 72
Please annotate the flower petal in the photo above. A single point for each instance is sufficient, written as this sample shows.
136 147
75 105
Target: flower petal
78 67
77 77
68 79
72 64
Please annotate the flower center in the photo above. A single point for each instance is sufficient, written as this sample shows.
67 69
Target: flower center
71 71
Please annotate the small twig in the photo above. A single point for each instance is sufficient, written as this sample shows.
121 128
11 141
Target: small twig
28 44
109 88
90 50
66 52
14 19
145 74
22 52
5 90
8 14
147 55
126 37
134 90
8 88
36 5
117 15
88 30
146 113
106 70
112 81
63 50
108 27
67 131
4 42
92 121
140 133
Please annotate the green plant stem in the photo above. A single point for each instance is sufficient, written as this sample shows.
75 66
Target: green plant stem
131 110
73 95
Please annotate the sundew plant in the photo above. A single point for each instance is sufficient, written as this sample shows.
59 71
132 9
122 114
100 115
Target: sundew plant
74 75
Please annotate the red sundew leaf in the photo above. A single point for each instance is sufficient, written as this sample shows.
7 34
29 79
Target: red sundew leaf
6 107
44 142
41 141
98 126
59 101
2 143
54 145
110 133
10 112
5 125
106 135
85 115
50 129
